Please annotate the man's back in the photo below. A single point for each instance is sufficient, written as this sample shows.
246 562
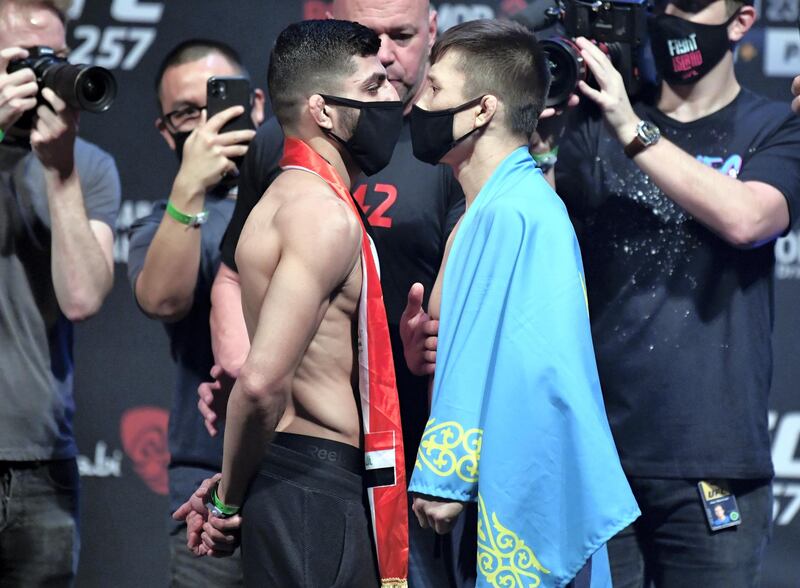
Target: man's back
300 213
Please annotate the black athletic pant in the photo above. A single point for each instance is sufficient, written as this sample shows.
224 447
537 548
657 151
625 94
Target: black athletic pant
304 523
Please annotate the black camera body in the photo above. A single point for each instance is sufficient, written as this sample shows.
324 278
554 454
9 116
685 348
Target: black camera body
617 27
83 87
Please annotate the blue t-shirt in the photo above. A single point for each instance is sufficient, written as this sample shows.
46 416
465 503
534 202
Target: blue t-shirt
190 445
681 320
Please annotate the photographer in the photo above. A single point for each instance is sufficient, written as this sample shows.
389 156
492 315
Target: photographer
678 200
59 198
172 263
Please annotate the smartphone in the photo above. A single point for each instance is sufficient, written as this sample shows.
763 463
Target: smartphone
225 91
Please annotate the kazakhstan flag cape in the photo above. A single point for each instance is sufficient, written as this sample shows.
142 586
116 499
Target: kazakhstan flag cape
517 422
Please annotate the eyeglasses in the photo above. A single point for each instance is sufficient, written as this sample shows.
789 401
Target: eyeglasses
182 119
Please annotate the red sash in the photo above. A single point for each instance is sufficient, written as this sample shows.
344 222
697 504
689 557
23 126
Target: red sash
380 407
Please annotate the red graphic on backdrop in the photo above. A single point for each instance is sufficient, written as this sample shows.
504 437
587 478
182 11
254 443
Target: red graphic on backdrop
316 9
377 218
144 437
511 7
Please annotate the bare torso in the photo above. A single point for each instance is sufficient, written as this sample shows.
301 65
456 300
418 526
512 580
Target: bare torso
324 385
435 299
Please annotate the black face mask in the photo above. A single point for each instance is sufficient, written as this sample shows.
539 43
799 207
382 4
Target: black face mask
180 140
432 131
378 128
685 51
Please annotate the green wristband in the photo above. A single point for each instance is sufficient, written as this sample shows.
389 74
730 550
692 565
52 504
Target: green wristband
547 158
190 220
2 135
224 509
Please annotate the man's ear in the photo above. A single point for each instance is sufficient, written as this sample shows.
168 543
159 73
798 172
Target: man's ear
320 112
257 110
488 108
433 27
162 128
744 21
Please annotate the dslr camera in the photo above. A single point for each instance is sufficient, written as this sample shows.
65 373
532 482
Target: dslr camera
83 87
617 27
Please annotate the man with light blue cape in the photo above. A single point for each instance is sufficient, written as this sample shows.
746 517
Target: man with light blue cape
517 423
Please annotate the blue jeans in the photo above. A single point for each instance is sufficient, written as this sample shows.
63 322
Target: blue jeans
39 540
670 545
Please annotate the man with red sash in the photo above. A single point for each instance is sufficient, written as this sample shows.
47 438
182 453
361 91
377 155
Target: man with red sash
302 439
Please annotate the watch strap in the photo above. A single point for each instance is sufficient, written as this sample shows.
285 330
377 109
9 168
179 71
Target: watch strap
635 147
647 134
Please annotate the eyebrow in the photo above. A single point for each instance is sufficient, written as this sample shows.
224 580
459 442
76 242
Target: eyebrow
181 104
376 78
406 28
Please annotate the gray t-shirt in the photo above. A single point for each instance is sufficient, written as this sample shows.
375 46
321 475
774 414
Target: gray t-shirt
36 364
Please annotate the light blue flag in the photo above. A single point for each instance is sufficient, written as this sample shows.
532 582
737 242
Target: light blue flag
517 422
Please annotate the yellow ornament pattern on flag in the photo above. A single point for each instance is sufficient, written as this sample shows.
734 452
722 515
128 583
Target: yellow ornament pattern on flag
503 558
447 448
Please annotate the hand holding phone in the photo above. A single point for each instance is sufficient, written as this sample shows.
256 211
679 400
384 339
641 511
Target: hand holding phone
222 92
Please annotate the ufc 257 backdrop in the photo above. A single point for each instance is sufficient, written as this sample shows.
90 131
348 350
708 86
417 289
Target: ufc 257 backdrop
124 376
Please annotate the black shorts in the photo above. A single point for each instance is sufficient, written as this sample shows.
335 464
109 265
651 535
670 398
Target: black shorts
304 522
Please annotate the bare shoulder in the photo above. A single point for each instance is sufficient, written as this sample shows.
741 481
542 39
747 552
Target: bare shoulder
312 218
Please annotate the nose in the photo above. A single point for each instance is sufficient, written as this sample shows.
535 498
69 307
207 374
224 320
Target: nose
386 52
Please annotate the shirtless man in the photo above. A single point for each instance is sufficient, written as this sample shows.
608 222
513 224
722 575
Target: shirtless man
302 274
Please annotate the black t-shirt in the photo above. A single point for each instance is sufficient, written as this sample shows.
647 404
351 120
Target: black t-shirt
411 207
681 320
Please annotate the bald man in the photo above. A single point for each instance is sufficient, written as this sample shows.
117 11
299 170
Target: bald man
411 207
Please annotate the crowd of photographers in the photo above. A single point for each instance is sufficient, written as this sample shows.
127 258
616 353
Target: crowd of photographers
677 192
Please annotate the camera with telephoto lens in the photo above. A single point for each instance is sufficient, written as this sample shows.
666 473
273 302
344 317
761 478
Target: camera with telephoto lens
617 27
83 87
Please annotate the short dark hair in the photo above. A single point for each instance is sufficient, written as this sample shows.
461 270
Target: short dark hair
313 56
193 49
503 59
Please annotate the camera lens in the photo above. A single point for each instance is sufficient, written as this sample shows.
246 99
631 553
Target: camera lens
89 88
92 90
567 68
218 89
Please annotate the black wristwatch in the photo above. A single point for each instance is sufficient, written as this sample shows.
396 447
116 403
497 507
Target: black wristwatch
647 134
